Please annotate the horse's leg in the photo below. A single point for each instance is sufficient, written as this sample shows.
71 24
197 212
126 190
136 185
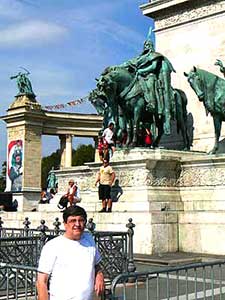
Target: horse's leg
138 111
183 127
159 124
181 119
129 132
217 127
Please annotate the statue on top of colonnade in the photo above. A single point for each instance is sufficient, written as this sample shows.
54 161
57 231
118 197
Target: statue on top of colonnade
23 84
138 95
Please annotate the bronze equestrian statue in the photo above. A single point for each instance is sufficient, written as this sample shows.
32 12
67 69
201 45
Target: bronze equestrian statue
140 91
210 90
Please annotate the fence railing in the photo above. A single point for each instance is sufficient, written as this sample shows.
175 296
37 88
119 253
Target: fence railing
22 246
17 281
191 282
204 281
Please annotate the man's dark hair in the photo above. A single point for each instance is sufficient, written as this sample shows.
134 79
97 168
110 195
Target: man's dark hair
111 124
74 211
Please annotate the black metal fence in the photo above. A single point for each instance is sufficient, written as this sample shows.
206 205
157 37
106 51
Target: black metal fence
204 281
191 282
21 247
17 282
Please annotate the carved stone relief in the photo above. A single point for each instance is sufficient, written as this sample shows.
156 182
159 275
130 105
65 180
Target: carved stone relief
202 176
189 12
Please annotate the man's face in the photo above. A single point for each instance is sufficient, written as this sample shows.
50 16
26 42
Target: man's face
71 183
148 46
74 227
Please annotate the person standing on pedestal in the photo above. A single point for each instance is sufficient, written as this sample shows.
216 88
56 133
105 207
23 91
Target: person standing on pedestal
108 135
105 177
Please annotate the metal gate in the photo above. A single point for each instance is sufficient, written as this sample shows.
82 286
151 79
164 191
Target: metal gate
191 282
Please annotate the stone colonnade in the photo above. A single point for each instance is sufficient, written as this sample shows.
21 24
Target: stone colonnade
26 123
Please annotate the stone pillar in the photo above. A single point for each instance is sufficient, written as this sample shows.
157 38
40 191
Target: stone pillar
66 151
96 149
62 150
24 129
68 161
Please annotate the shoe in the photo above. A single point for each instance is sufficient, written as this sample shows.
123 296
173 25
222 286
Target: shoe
103 210
109 210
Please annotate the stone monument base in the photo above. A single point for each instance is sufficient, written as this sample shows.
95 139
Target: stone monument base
175 198
27 201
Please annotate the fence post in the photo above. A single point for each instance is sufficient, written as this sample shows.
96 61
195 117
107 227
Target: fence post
131 266
1 222
91 225
26 224
42 228
57 224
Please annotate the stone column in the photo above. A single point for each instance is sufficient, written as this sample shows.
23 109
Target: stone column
96 149
24 129
66 150
62 150
68 160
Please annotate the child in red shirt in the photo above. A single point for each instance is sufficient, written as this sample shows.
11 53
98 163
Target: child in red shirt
148 138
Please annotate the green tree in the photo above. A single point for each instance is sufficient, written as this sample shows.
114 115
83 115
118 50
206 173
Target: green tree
83 154
3 177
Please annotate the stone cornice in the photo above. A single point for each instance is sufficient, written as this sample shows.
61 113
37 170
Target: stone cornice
154 7
54 123
175 13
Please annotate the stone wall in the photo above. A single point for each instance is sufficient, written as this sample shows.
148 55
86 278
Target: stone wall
202 189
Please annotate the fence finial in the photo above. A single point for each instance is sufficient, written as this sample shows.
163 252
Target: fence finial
91 225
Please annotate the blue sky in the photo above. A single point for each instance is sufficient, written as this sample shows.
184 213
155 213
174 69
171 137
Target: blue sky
65 44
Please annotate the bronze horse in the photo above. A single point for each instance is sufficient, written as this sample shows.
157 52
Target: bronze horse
210 90
127 112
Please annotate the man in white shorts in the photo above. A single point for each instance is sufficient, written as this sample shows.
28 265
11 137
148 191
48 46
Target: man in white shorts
70 262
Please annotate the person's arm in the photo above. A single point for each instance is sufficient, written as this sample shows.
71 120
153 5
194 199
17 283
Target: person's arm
99 281
148 69
97 178
67 193
42 286
113 175
147 131
73 191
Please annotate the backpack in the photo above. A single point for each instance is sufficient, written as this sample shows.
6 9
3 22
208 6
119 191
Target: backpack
63 202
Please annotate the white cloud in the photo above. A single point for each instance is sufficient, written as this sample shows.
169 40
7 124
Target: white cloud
30 33
10 9
105 26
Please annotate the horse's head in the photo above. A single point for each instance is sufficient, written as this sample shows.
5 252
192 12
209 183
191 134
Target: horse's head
196 83
98 99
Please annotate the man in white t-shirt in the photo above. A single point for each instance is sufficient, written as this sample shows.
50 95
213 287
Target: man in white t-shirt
108 135
71 262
